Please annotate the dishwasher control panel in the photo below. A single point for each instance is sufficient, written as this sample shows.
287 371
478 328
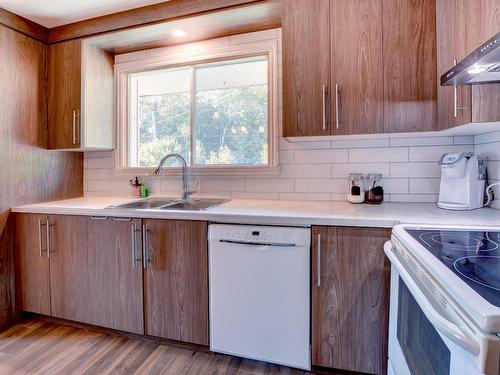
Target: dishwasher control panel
248 233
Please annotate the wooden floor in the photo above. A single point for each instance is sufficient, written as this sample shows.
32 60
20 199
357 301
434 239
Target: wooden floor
39 347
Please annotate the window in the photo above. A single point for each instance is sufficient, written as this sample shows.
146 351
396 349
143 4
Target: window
216 112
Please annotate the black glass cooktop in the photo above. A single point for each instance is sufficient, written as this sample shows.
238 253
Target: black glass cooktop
472 256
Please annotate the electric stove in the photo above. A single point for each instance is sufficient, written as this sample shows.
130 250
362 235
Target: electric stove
474 256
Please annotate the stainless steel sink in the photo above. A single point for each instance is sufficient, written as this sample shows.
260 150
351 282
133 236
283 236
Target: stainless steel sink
159 203
194 204
147 204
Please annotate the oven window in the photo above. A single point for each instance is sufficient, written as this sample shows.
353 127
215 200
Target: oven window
424 350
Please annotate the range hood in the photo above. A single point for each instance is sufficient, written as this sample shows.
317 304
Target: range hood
481 66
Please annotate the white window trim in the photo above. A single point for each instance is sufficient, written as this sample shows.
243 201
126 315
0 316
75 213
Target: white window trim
166 58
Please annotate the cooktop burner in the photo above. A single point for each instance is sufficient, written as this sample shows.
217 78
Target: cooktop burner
473 256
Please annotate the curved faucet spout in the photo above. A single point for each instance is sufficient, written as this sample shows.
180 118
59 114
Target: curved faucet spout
186 190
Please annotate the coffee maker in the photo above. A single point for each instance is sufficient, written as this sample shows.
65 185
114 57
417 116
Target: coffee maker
463 177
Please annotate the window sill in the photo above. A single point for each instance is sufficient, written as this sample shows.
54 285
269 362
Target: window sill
202 171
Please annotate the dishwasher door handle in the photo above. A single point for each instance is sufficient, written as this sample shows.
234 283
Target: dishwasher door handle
271 244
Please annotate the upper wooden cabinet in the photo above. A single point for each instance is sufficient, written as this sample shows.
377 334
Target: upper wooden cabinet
462 25
80 97
350 298
357 67
380 75
176 280
410 79
306 67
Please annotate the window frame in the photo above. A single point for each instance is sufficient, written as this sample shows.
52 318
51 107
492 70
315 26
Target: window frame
193 54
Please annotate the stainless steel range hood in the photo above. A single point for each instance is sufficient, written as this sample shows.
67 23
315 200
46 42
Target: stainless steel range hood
481 66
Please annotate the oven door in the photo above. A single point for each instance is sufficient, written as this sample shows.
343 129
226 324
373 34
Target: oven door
425 337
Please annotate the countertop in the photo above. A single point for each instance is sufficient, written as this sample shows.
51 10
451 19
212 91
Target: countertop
274 212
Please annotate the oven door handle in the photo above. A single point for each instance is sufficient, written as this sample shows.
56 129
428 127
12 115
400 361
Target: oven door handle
443 325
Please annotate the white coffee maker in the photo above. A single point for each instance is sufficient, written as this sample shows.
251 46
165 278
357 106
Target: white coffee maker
463 178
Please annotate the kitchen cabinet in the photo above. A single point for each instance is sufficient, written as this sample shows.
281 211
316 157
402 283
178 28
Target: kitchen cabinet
462 26
306 67
176 280
350 298
380 75
410 78
483 22
69 272
80 96
454 102
356 67
115 273
32 263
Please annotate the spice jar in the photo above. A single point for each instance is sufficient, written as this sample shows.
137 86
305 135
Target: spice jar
356 193
374 191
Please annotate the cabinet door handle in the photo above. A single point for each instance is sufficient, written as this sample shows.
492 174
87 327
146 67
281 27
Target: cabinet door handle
145 232
456 108
324 93
40 240
134 245
48 239
337 106
74 127
125 219
319 260
99 218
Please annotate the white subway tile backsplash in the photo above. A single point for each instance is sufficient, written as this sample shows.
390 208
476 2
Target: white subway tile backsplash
424 185
395 185
428 153
321 156
360 143
415 170
489 151
306 170
463 140
306 196
414 198
343 170
286 157
320 185
378 155
273 185
425 141
493 137
98 163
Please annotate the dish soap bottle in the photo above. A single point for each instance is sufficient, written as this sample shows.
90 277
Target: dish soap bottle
136 188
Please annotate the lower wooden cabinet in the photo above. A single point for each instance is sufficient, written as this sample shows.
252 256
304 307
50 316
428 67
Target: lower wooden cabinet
350 298
176 280
32 264
91 270
115 273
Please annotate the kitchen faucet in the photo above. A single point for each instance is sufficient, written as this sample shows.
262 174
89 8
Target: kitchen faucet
186 189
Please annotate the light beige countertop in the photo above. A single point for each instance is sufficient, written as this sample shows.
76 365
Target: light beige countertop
274 212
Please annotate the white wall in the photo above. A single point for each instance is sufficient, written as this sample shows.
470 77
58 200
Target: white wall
313 170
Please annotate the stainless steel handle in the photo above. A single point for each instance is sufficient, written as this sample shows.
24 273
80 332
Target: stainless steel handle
40 225
78 125
74 127
324 107
250 243
48 239
99 217
337 106
125 219
319 260
145 231
134 245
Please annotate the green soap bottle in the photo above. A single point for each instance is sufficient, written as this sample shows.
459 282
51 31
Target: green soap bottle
144 190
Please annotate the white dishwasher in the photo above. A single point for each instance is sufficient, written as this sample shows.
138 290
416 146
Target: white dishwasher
260 293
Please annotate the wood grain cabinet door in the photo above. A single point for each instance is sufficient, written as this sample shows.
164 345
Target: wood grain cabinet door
64 94
306 68
69 274
350 298
32 263
410 77
483 21
454 103
357 99
176 280
115 273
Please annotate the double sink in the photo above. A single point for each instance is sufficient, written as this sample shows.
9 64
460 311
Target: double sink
162 203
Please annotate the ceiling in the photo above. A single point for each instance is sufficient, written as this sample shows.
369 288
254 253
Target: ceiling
60 12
